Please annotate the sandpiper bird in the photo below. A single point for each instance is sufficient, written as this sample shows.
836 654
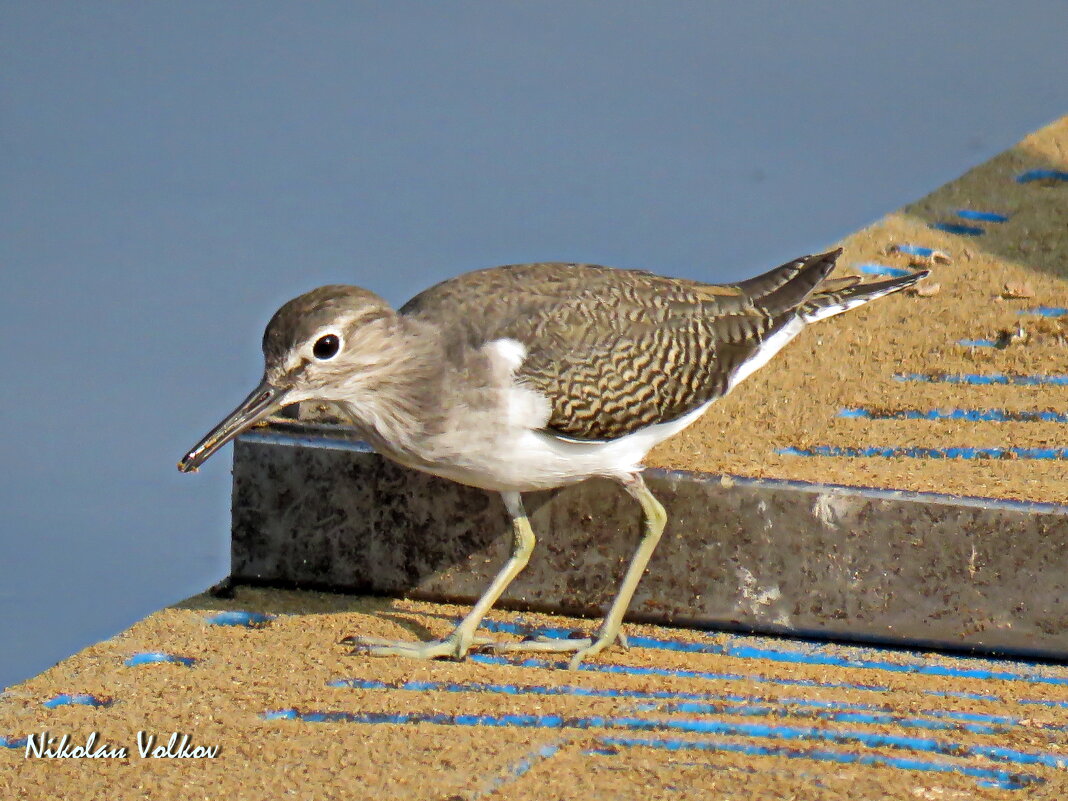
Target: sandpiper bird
532 377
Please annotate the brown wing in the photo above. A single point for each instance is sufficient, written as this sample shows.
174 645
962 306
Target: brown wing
617 350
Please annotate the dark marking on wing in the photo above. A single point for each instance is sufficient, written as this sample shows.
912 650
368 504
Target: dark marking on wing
617 350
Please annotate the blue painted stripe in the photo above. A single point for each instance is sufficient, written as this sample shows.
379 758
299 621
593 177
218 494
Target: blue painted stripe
882 269
674 645
696 707
1043 702
978 343
990 776
1000 720
997 379
927 453
689 726
981 216
514 689
12 742
155 657
915 250
250 620
815 654
291 714
957 228
630 670
523 766
969 415
1041 175
681 701
783 701
77 699
889 718
591 692
705 675
1045 311
969 696
697 702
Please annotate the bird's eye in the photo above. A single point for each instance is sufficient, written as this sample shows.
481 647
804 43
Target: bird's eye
326 347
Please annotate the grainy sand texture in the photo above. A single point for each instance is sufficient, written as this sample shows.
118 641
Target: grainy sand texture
856 360
682 714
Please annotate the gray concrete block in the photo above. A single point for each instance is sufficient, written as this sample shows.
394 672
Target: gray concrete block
313 508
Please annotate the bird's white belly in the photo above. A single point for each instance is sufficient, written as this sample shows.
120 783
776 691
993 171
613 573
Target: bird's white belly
499 443
521 459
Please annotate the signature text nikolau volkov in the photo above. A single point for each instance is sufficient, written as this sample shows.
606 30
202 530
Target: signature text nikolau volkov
149 746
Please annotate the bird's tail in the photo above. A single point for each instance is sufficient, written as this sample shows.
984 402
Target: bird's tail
837 296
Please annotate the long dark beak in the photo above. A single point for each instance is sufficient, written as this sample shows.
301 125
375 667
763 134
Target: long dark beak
264 399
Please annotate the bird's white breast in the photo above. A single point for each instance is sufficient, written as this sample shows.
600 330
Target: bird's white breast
508 449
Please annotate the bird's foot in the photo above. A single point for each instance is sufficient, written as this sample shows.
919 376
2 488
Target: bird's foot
581 647
454 647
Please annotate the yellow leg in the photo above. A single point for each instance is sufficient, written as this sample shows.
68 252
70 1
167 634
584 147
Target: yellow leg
655 518
459 642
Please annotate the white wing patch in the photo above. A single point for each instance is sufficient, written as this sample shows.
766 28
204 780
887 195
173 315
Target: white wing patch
508 353
523 406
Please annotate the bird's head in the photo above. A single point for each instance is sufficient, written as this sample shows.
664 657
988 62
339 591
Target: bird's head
327 344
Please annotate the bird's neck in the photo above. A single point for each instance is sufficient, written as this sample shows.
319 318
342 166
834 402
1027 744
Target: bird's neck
395 393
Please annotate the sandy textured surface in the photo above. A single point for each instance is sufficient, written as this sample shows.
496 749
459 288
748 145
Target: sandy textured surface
772 719
766 719
850 360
